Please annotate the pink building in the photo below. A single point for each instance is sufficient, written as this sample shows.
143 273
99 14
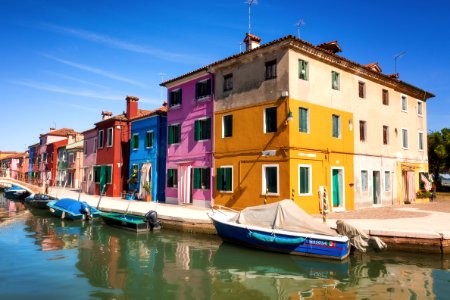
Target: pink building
89 161
189 138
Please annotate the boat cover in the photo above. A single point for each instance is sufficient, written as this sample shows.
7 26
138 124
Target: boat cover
71 205
284 215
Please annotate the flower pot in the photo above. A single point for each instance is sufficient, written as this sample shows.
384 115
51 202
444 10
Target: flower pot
148 198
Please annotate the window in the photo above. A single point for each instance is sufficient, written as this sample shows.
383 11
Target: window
135 141
335 84
101 136
95 145
172 178
271 69
362 89
421 140
404 103
202 129
71 158
385 97
224 179
420 108
302 69
387 181
109 135
270 179
304 180
270 119
175 98
149 139
227 82
85 147
362 131
203 89
385 135
202 178
336 126
227 126
405 138
100 171
364 180
174 134
303 120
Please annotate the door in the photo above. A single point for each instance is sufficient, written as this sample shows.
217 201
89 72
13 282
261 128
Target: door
102 180
409 186
337 188
184 184
146 177
376 183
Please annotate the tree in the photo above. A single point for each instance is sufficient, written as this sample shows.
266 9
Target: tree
439 152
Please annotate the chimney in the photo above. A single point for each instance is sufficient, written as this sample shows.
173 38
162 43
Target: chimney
106 115
52 129
332 47
132 107
251 41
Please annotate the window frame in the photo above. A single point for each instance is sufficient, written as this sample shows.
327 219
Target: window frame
227 86
420 141
363 132
264 179
335 81
174 92
385 97
300 119
390 176
309 167
303 65
223 126
147 139
135 141
109 137
95 145
178 136
405 98
338 117
174 182
101 141
364 189
405 130
420 105
270 70
200 137
207 89
362 89
385 141
204 179
265 119
232 179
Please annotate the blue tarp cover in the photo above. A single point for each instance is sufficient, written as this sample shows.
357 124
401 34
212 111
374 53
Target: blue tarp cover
74 206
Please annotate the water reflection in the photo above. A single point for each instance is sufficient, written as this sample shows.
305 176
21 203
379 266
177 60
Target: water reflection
119 264
10 208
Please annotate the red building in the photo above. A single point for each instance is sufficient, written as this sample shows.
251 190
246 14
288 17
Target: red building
52 159
113 149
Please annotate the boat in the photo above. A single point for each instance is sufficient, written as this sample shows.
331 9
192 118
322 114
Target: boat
280 227
39 201
16 193
72 209
133 222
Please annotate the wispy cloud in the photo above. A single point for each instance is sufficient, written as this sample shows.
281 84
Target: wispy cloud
76 106
95 70
62 90
120 44
74 79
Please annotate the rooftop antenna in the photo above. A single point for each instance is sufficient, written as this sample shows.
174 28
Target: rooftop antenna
162 74
299 24
250 3
400 55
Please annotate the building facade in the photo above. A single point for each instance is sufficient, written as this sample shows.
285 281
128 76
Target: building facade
89 161
190 139
75 163
148 148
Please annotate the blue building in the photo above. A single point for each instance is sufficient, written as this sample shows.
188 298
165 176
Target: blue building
33 166
148 149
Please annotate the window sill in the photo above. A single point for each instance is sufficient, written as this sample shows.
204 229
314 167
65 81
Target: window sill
175 107
405 111
225 192
201 141
203 98
304 195
270 78
420 115
271 194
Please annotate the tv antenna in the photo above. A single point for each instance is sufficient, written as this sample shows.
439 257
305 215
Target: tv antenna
400 55
162 74
250 3
299 24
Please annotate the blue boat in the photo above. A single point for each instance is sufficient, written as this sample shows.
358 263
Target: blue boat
73 209
16 193
281 227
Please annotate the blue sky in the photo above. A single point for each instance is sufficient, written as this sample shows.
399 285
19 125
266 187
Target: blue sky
63 62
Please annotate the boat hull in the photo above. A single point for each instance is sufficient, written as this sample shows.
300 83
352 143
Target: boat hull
306 245
75 215
38 201
16 194
128 222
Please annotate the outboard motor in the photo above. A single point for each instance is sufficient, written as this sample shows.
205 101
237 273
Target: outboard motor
87 212
152 220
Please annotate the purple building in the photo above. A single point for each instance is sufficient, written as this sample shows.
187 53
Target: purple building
89 161
189 164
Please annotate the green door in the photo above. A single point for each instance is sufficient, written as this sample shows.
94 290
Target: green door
336 188
102 180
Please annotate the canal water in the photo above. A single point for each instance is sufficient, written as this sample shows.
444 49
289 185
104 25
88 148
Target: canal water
42 257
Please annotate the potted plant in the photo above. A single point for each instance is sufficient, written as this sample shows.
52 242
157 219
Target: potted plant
148 189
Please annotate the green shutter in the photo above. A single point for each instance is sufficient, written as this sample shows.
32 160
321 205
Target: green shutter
208 128
170 135
304 179
228 126
170 178
197 178
108 174
197 130
228 179
206 178
303 120
219 179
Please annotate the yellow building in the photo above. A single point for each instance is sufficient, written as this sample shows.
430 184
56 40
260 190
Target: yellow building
291 117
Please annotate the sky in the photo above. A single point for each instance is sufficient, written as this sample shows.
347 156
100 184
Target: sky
62 62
